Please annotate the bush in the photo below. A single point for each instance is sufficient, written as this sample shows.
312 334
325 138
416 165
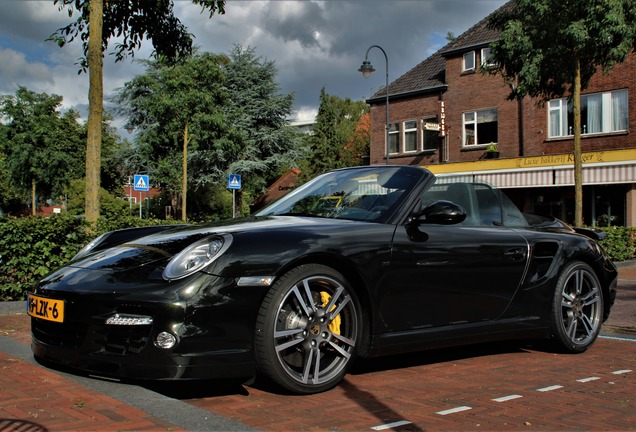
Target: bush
619 243
32 247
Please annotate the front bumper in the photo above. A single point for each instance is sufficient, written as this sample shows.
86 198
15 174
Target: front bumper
213 328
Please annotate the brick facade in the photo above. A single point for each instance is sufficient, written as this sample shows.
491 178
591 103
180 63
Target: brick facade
475 91
523 144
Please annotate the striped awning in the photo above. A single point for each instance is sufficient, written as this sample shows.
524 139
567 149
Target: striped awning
555 176
515 179
612 174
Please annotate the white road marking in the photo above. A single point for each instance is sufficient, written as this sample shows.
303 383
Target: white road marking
550 388
588 379
391 425
454 410
507 398
624 339
621 372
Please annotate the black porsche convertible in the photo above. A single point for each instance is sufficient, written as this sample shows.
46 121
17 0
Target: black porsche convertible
363 261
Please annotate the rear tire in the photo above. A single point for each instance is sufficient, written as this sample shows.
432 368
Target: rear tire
577 308
308 329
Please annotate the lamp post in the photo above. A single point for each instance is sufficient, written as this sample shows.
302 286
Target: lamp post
367 70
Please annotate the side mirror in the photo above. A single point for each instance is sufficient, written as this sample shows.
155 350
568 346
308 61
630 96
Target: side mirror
439 212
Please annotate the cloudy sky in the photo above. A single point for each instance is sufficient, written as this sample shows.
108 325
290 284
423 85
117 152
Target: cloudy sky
314 44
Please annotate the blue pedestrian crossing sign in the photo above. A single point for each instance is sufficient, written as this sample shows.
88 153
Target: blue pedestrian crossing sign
233 181
141 182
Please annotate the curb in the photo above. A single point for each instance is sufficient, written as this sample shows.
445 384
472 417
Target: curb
12 307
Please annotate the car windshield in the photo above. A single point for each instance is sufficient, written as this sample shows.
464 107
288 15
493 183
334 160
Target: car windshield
367 194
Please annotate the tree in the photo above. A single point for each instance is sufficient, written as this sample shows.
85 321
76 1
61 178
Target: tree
177 107
266 144
548 47
43 147
358 142
237 123
132 21
334 134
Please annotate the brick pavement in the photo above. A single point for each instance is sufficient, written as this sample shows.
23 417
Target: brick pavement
501 387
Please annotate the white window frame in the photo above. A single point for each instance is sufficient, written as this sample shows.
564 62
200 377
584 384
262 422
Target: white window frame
558 110
409 130
394 131
425 133
475 122
485 55
468 55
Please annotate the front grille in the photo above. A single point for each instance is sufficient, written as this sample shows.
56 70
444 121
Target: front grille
114 340
123 340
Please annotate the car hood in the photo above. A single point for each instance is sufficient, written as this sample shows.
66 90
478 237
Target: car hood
157 249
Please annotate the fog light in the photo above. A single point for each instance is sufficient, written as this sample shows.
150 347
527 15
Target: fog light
165 340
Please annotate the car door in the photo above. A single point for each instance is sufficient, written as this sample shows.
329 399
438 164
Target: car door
450 274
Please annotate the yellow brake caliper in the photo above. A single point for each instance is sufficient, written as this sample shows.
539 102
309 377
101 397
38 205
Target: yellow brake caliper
334 325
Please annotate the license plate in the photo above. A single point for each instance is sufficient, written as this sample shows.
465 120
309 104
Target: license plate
45 308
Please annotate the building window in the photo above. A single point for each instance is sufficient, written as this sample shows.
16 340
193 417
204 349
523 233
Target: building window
480 127
410 136
600 113
486 58
430 136
394 137
468 62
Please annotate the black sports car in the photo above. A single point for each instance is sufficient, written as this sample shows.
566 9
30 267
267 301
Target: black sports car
364 261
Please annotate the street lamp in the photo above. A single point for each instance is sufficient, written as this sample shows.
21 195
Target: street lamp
367 70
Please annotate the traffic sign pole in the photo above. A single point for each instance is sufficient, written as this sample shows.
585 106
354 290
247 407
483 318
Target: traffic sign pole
141 183
234 183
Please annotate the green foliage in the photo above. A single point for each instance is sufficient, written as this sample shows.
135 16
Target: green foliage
334 132
236 121
131 22
620 243
257 116
170 102
32 247
41 145
542 40
111 207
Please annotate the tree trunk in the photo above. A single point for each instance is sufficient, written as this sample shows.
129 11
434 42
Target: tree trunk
95 111
578 160
34 209
184 182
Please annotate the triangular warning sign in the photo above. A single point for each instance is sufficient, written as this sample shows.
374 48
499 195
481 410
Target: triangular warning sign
141 184
234 181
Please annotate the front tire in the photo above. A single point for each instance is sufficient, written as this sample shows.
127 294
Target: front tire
577 308
307 329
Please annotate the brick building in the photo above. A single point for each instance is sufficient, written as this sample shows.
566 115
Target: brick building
535 143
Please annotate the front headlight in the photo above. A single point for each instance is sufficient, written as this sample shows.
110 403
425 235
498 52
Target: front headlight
196 256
